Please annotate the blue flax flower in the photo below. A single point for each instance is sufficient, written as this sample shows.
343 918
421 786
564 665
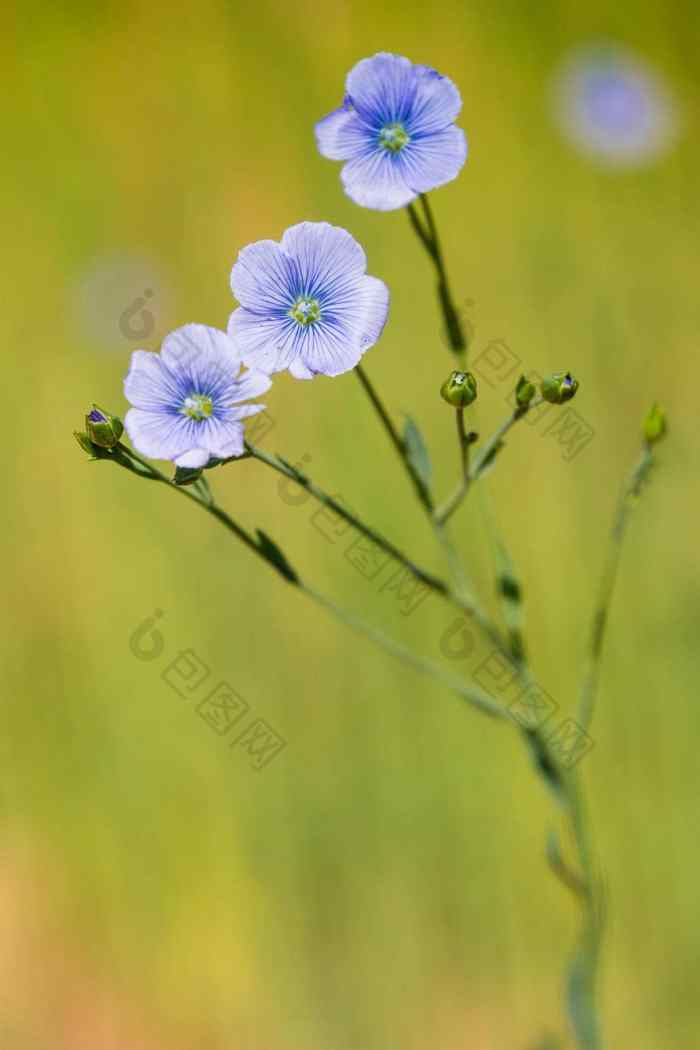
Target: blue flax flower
307 304
396 132
186 397
614 108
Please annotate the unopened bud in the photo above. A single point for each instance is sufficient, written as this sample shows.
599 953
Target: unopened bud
524 391
84 442
559 387
459 390
655 424
102 429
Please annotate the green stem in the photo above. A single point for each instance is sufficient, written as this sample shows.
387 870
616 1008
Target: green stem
589 686
486 454
581 987
433 582
464 445
508 585
395 438
192 495
430 240
481 701
457 571
474 697
461 601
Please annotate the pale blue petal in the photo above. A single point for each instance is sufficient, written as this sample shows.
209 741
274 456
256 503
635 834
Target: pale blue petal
195 457
432 161
195 346
373 310
252 384
148 384
263 277
377 181
299 370
226 439
328 258
336 348
436 102
239 412
342 135
158 435
381 88
330 351
266 344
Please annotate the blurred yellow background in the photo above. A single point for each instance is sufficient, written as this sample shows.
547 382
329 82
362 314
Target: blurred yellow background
382 882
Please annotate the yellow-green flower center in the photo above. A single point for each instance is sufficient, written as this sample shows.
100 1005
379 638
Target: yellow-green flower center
394 137
198 406
306 311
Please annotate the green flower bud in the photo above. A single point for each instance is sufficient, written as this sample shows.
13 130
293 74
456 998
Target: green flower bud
102 429
655 424
459 390
559 387
524 391
84 442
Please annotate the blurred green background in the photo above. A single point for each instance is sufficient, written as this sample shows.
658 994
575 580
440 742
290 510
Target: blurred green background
382 882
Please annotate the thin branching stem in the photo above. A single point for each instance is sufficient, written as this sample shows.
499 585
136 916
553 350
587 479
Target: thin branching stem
439 586
457 571
428 236
485 456
395 438
474 697
589 686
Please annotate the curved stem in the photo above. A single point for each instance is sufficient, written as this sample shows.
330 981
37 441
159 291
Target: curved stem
463 602
457 571
486 455
431 242
589 686
474 697
477 699
395 438
508 585
433 582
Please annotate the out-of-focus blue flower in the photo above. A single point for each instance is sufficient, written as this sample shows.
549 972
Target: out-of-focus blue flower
614 108
186 398
396 132
307 304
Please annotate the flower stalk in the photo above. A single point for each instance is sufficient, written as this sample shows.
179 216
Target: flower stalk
429 238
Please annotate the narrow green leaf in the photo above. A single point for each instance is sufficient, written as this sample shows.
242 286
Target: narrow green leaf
417 451
269 550
486 464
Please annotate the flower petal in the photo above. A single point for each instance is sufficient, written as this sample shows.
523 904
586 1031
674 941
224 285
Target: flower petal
374 301
226 438
195 457
342 135
436 102
252 384
266 344
199 344
158 435
377 181
239 412
327 257
330 350
299 370
381 88
147 384
263 277
432 161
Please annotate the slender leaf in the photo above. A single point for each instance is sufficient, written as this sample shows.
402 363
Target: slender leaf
417 452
